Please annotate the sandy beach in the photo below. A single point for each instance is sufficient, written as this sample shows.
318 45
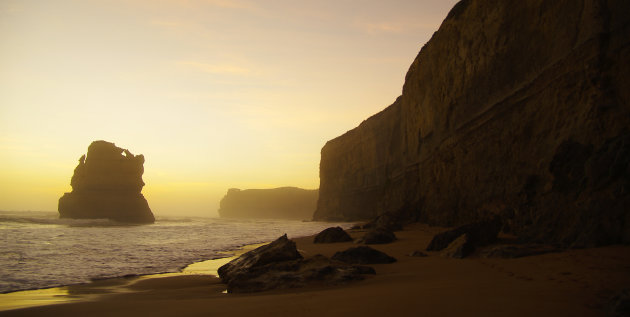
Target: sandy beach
570 283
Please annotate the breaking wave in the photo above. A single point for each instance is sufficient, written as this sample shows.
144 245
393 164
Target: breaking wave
40 250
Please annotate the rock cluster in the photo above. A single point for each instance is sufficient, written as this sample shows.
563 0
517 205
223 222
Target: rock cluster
277 203
515 108
279 265
107 183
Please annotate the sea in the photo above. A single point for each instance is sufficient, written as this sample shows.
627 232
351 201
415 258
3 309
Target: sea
39 250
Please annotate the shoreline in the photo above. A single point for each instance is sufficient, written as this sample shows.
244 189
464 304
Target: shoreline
95 288
578 282
62 288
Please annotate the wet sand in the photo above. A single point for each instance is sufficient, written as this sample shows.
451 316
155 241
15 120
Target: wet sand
569 283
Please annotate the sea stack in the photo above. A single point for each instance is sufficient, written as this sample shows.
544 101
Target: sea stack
519 109
107 183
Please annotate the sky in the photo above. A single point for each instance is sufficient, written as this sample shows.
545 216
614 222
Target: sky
215 94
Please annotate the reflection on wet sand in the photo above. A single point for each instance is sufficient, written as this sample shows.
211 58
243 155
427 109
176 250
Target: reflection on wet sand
96 288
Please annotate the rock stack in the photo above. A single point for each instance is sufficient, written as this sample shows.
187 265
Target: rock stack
107 184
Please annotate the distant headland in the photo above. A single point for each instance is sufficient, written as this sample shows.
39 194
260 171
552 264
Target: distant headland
280 203
107 183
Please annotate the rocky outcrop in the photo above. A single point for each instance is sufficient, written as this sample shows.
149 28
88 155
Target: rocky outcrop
107 184
279 265
332 235
279 203
280 250
513 108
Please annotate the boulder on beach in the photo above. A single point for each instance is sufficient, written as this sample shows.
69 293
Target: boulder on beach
280 250
279 265
620 304
363 255
107 183
332 235
459 248
478 233
379 236
418 253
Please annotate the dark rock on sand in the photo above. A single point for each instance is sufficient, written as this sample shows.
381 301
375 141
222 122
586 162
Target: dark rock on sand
379 236
363 255
388 221
280 250
332 235
297 273
459 248
418 253
479 233
620 304
107 184
279 265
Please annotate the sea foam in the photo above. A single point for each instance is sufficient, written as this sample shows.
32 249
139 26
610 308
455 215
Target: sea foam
39 250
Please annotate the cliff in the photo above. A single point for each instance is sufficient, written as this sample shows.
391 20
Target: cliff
515 108
278 203
107 184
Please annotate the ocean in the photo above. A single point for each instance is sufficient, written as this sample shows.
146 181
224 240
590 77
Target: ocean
39 250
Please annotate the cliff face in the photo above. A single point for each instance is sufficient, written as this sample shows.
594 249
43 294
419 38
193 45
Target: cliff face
278 203
107 184
516 108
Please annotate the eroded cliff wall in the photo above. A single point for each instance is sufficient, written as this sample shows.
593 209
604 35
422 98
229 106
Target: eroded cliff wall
275 203
517 108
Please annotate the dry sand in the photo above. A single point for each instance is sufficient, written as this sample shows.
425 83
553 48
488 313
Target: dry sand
570 283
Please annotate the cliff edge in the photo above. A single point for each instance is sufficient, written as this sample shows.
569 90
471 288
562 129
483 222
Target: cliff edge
279 203
107 184
513 108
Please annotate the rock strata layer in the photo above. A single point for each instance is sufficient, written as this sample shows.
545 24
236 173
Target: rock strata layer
107 183
278 203
513 108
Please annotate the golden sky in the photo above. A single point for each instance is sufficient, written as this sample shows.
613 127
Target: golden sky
214 93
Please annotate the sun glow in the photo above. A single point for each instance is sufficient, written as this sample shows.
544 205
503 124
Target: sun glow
215 94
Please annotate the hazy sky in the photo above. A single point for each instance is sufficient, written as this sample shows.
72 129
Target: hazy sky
214 93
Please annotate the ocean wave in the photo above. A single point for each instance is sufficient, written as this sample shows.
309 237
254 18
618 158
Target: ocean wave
41 250
61 221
